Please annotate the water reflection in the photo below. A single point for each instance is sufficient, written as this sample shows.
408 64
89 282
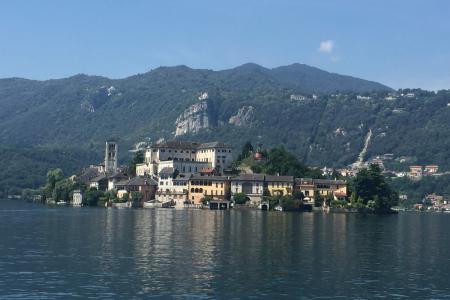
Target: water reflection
108 253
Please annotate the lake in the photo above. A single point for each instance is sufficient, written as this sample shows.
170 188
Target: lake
65 252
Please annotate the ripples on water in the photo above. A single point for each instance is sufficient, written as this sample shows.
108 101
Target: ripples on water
60 253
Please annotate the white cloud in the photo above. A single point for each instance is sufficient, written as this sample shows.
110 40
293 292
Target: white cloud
326 46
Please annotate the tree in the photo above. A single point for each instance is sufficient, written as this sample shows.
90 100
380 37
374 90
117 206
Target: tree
288 203
240 198
136 198
93 196
372 190
205 200
280 161
298 195
318 200
138 158
246 152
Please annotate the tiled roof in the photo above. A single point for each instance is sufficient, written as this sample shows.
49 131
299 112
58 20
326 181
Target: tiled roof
167 171
279 178
214 145
213 178
99 178
139 181
249 177
329 181
190 145
304 181
207 170
177 145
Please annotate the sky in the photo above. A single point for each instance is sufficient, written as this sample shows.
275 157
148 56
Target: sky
400 43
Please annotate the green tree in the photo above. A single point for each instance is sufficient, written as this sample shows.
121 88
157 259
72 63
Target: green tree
240 198
136 198
298 195
246 152
92 196
205 200
138 158
370 185
318 199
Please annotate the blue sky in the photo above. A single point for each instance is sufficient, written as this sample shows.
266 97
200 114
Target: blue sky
399 43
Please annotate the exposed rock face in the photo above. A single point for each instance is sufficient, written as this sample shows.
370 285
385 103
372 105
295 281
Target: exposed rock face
194 118
243 117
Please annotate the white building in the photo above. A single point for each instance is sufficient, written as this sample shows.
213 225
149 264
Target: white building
173 187
216 155
77 198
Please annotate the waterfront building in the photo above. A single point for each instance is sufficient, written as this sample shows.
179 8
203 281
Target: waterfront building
279 185
327 187
307 187
324 187
77 198
145 185
217 187
173 187
251 185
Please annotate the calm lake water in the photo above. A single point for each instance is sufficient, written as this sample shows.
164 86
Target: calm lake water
64 252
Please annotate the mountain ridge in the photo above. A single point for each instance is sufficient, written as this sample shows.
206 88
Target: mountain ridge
303 68
72 117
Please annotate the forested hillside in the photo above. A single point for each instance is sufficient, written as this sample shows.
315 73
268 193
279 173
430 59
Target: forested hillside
321 117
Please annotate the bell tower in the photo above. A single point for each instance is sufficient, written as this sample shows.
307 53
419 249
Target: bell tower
111 152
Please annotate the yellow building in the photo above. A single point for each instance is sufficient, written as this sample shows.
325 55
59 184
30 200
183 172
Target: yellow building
324 187
336 188
307 187
217 187
279 185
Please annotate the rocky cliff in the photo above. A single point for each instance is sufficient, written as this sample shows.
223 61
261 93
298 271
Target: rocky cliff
193 119
243 117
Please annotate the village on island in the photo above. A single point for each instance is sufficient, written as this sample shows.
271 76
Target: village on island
184 174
